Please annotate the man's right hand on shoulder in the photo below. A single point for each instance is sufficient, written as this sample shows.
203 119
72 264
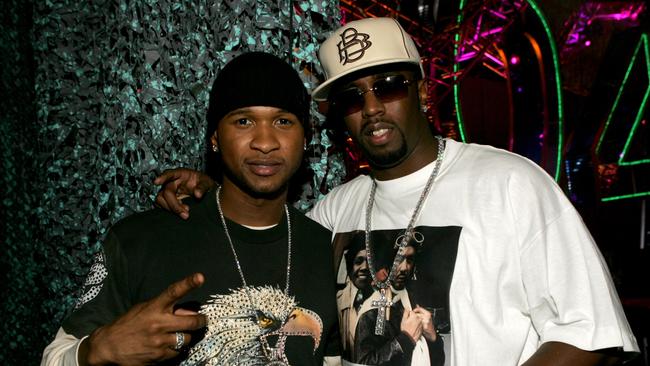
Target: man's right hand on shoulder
147 332
179 183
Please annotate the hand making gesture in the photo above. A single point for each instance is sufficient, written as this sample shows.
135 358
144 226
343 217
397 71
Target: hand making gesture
149 332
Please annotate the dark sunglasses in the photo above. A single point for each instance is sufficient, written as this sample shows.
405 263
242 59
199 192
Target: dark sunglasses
388 89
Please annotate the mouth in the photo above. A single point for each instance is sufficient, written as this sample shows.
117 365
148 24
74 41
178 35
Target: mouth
378 133
264 167
362 274
401 278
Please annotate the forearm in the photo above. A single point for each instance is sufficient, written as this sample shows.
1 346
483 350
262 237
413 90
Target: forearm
562 354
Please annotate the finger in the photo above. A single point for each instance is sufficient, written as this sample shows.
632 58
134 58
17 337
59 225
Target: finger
416 318
422 313
181 311
166 176
168 189
204 185
189 322
174 204
177 290
173 341
160 201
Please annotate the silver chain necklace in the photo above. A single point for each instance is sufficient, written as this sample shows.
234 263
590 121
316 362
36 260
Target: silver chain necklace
383 304
234 252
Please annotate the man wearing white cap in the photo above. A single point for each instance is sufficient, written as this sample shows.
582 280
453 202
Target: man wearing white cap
506 270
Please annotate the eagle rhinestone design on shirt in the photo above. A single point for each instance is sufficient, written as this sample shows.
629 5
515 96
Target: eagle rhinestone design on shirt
240 333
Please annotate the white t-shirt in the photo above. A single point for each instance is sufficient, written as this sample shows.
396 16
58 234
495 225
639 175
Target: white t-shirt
505 258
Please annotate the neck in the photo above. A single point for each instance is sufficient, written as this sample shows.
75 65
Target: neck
242 208
424 153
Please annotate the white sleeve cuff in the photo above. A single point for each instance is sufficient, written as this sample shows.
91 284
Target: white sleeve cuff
63 351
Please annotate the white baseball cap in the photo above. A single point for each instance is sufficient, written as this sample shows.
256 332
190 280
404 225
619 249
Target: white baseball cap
361 44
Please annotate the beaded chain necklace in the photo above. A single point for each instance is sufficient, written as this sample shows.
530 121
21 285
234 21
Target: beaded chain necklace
234 252
384 303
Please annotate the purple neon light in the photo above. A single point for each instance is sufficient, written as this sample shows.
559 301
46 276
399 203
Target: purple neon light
624 12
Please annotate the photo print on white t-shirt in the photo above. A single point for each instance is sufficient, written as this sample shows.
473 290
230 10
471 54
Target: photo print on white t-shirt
421 280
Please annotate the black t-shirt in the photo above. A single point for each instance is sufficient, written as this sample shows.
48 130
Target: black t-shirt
146 252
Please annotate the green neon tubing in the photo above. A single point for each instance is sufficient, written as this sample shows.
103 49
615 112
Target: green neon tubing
558 85
643 40
639 115
633 195
459 112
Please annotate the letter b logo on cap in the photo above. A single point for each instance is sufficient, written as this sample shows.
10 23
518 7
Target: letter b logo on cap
353 45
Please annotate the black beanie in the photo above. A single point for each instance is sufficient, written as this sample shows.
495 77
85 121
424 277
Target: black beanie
257 79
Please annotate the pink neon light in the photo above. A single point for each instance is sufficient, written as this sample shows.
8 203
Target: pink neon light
466 56
492 31
514 60
498 14
478 27
616 11
494 59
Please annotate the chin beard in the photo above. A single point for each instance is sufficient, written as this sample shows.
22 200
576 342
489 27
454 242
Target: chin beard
253 192
387 160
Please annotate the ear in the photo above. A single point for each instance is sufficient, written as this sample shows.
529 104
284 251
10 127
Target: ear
215 141
422 91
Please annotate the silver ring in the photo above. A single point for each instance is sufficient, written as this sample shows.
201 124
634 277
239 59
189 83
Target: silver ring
180 340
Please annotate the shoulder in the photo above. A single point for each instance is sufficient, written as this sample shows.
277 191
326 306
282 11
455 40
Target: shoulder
305 223
145 222
345 192
156 224
485 164
329 208
489 158
492 175
305 220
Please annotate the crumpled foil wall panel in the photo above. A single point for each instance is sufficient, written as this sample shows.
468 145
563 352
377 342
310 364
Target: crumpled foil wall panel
120 90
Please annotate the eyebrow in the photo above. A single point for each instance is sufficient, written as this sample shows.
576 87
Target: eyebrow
249 109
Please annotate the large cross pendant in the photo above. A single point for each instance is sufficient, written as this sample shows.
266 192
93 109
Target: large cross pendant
383 311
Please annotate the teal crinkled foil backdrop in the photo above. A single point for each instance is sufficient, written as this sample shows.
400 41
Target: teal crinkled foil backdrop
99 97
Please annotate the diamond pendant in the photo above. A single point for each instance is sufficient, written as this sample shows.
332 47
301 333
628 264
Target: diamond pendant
383 304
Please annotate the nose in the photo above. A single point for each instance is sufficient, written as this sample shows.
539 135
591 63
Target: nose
371 104
403 267
364 265
265 139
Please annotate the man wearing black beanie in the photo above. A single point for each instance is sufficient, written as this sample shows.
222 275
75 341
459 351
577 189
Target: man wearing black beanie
259 271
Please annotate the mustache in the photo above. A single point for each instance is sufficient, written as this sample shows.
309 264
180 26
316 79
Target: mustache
375 123
364 272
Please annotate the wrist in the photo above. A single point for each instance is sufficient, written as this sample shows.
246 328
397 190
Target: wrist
90 353
406 342
431 337
82 352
